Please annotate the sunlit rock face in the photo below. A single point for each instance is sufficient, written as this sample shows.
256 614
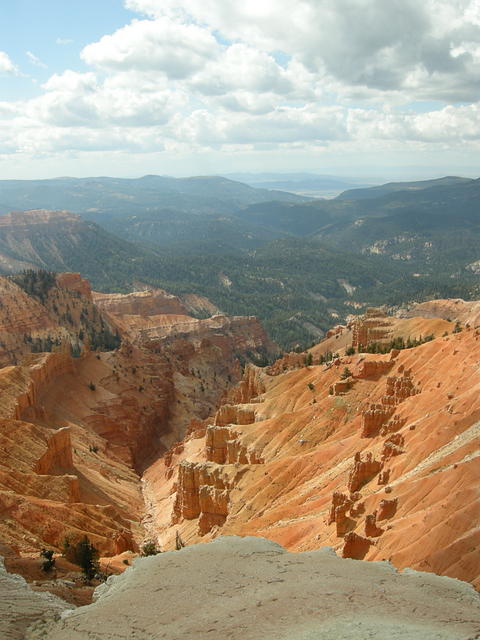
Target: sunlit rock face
385 469
255 589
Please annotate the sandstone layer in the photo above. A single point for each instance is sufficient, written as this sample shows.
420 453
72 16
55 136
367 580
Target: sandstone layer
453 310
63 318
375 326
386 469
252 589
77 431
200 357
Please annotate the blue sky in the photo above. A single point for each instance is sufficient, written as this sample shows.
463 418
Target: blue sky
55 32
362 87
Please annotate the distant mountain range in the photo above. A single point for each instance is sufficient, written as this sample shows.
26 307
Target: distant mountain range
315 185
203 194
300 265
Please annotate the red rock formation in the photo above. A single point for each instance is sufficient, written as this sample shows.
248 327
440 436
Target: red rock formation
374 326
202 492
393 446
428 496
341 505
453 310
363 471
376 417
373 368
124 542
216 443
371 528
74 282
338 499
151 302
384 477
234 414
355 546
187 503
387 509
335 331
248 389
58 457
342 386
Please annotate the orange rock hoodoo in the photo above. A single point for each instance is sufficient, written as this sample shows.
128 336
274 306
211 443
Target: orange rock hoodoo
381 465
71 429
374 326
386 470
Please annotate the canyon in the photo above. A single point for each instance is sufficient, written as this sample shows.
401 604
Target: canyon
380 464
176 436
76 432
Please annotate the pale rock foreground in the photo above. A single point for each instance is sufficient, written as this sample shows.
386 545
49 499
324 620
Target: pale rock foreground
252 588
20 606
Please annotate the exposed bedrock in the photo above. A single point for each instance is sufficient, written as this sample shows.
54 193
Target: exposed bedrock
363 471
202 492
58 457
377 416
257 590
234 414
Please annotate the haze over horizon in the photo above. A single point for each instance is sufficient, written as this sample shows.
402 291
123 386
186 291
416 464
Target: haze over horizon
352 87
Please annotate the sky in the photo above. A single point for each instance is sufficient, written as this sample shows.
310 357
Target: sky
192 87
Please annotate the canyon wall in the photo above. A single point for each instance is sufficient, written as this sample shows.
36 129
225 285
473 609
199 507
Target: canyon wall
77 431
387 468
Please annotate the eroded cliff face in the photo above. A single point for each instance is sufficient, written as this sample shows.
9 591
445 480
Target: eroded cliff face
200 358
77 431
453 310
64 317
58 477
383 467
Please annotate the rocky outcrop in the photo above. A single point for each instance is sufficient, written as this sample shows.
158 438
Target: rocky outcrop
387 509
40 374
203 493
374 326
307 492
58 458
199 358
337 330
342 386
356 546
377 415
151 302
274 594
124 541
248 389
74 282
287 362
453 310
341 505
216 443
393 446
373 368
371 528
234 414
374 418
363 471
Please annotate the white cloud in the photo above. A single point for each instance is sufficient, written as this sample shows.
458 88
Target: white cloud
160 45
63 41
196 75
35 61
6 65
379 44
